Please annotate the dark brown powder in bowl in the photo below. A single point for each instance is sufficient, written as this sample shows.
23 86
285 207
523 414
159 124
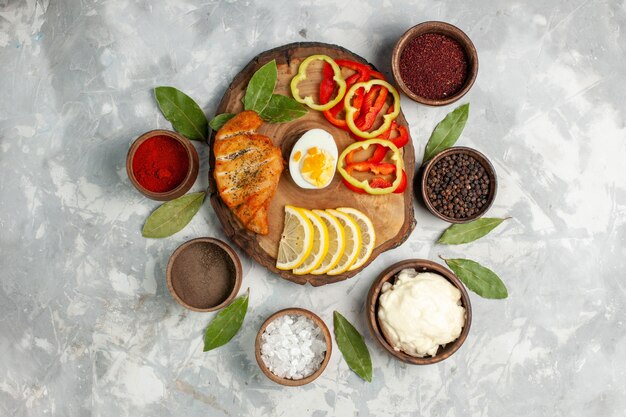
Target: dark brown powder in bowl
203 275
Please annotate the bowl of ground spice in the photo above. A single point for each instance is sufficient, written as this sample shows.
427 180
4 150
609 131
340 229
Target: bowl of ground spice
204 274
434 63
162 165
459 184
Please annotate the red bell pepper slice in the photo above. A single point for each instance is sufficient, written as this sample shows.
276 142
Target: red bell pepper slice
376 168
361 68
371 107
352 187
403 135
327 86
331 115
379 182
362 73
402 185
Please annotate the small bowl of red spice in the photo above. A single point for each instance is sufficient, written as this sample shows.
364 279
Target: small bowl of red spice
434 63
162 164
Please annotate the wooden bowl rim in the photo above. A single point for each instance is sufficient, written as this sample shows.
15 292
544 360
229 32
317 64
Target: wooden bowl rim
192 170
449 30
222 245
421 265
327 339
489 169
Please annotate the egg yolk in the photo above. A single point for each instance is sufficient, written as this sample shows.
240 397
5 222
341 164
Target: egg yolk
297 156
317 167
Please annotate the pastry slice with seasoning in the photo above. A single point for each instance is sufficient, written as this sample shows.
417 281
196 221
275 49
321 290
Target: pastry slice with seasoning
247 170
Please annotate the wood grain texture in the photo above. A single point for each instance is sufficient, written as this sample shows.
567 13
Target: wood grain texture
391 214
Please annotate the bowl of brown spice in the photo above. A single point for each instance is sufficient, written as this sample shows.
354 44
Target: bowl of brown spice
459 184
204 274
434 63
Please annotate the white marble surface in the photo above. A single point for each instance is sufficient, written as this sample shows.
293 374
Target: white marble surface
87 326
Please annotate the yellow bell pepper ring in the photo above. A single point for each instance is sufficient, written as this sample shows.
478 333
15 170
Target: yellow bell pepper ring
396 158
302 75
387 118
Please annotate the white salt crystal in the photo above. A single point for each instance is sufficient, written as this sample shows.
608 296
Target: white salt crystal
293 346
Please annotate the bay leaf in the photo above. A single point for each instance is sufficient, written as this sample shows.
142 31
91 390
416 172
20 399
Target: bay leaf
483 281
226 323
352 347
261 87
186 117
446 132
468 232
172 216
281 109
220 120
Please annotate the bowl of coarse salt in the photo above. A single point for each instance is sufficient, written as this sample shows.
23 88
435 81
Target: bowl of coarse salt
293 347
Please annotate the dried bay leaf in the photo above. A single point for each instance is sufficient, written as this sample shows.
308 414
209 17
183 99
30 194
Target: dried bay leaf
281 109
172 216
186 117
261 87
446 132
481 280
352 347
468 232
220 120
226 323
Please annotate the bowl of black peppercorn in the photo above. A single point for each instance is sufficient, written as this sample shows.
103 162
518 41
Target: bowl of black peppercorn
459 185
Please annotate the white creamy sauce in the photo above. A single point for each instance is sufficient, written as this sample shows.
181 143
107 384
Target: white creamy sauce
420 312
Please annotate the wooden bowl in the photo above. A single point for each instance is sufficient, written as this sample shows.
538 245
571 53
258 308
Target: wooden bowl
199 297
443 29
192 171
327 338
389 275
489 170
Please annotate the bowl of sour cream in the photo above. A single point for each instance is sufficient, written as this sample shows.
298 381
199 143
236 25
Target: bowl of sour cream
419 311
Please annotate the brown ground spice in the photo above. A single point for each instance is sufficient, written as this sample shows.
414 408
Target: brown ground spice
203 275
433 66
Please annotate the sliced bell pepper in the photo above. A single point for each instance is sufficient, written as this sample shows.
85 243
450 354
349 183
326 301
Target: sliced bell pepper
327 86
376 168
380 182
395 167
403 135
372 104
331 114
361 68
302 75
402 185
351 109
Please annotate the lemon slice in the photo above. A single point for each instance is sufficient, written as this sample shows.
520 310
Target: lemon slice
296 241
368 235
353 242
336 242
320 244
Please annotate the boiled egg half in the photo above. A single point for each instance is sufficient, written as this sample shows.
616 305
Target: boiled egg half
313 159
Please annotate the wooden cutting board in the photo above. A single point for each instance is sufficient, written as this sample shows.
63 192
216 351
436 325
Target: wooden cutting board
392 214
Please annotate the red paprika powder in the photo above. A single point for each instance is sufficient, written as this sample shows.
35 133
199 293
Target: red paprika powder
433 66
160 164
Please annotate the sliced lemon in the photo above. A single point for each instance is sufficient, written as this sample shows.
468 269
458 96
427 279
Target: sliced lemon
368 235
296 241
320 244
336 242
353 242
